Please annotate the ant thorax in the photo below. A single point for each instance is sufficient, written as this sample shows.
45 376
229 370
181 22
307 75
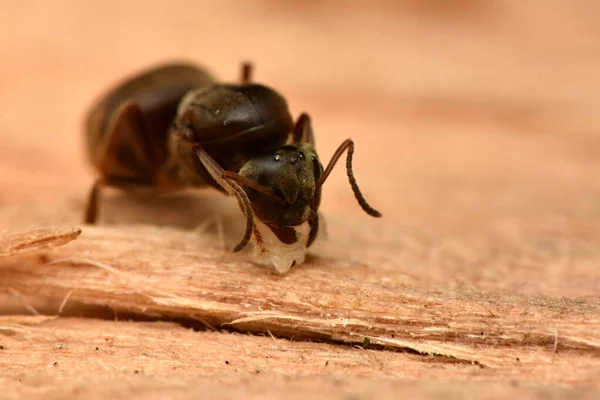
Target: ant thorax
272 251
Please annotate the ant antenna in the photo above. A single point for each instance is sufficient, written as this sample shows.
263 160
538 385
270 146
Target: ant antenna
348 144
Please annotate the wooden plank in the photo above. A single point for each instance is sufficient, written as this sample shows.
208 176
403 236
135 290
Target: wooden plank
151 271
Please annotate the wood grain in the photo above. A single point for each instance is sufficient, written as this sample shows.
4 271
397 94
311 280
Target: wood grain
91 357
35 240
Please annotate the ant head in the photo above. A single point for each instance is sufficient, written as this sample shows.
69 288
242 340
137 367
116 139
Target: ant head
290 175
282 186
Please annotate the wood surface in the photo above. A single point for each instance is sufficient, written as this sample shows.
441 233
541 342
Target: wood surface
477 137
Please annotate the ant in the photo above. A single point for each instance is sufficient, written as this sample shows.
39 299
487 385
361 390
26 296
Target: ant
174 126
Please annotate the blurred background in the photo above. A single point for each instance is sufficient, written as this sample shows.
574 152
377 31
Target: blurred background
472 119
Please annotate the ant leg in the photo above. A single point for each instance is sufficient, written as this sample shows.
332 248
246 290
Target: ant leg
259 240
180 132
314 229
317 226
91 210
229 181
125 134
232 188
247 70
303 130
348 144
323 225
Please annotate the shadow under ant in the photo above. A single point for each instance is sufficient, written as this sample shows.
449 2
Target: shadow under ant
188 210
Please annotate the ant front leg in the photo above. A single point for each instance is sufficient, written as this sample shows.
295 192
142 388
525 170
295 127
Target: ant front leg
259 240
232 183
225 179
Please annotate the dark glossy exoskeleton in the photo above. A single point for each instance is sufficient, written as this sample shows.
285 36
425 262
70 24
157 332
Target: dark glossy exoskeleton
175 126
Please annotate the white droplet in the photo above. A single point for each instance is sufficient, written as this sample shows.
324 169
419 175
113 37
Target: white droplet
280 255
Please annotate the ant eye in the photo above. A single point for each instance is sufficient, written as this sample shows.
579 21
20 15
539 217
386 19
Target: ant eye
277 157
